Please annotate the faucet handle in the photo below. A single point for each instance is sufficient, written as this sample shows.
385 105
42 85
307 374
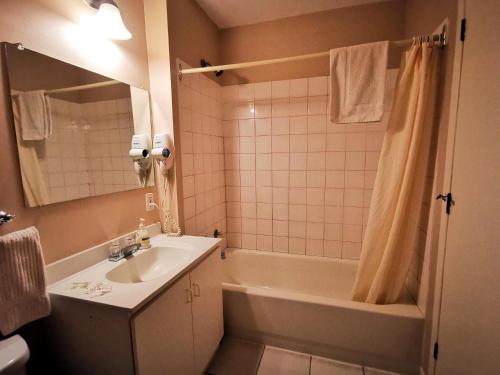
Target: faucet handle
114 250
130 240
130 249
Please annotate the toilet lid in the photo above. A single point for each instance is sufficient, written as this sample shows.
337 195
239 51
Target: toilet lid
13 352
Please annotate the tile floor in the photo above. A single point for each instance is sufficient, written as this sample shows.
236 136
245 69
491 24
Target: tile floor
238 357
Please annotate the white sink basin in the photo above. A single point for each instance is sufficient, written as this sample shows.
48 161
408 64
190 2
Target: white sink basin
148 265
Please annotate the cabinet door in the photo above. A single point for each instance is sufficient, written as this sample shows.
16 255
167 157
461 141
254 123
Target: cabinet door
208 325
163 334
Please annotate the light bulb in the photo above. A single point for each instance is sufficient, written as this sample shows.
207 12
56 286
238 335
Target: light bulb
110 22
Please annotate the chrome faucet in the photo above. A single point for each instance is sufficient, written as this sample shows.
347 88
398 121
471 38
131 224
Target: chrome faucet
125 252
130 249
6 217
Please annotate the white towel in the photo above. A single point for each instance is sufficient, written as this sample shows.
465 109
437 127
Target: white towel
357 82
23 296
35 116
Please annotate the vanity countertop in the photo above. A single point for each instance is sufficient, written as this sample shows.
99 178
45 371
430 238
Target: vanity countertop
132 296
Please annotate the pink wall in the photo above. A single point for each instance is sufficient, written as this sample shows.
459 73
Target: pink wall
315 32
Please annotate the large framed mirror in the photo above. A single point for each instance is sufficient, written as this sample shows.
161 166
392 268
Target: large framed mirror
74 129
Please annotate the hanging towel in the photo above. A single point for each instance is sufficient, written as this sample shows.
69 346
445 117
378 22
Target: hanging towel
23 296
357 82
34 111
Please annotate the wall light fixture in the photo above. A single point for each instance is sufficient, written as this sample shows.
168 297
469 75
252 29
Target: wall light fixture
108 19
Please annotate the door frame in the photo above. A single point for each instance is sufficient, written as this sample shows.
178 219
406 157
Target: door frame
447 182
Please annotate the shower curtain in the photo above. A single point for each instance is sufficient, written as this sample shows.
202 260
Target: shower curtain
395 208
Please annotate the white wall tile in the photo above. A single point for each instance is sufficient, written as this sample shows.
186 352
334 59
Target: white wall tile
317 86
302 184
280 89
298 88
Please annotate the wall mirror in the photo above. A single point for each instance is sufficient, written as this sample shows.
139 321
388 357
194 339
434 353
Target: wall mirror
74 129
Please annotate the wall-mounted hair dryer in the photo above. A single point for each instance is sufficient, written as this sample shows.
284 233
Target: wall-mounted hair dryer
163 151
139 152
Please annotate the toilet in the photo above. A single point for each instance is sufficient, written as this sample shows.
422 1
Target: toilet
14 353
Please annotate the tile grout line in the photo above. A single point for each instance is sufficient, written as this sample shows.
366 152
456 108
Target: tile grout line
324 186
272 177
254 162
307 170
289 174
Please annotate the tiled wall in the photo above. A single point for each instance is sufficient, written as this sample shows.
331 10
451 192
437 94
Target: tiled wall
110 129
87 152
202 155
63 161
294 181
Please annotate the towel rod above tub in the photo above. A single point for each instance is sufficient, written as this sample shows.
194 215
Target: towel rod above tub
76 88
5 217
440 39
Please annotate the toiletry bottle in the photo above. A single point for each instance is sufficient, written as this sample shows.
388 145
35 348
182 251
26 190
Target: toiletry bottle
143 235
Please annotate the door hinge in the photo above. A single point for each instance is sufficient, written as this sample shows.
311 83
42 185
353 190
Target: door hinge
436 350
449 201
462 29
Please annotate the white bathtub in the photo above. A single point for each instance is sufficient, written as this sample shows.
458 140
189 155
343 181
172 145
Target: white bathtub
302 303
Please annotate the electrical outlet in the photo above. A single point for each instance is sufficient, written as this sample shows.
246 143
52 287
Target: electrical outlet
150 203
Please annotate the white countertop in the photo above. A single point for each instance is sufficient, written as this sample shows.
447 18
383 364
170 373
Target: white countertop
132 296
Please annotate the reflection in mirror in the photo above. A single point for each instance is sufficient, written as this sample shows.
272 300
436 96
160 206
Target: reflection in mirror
74 129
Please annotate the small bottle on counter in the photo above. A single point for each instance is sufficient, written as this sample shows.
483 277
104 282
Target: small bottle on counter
142 235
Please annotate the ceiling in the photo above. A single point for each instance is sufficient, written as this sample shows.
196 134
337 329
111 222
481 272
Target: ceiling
231 13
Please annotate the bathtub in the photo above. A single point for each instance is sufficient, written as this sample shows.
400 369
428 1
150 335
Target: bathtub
302 303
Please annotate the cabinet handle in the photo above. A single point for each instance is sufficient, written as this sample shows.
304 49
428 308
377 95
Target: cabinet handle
196 289
189 296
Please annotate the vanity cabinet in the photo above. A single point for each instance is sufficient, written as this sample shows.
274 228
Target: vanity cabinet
163 333
208 325
177 332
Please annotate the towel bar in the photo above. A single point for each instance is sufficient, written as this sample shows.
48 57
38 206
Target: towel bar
5 217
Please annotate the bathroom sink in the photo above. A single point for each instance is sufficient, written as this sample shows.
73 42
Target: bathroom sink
148 265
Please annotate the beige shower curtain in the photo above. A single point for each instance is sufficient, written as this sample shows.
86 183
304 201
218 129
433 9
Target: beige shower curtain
35 189
395 208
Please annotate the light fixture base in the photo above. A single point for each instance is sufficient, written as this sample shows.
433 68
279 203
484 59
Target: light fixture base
97 3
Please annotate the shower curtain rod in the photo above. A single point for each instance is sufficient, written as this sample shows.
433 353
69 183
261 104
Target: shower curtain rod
441 38
83 87
78 88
